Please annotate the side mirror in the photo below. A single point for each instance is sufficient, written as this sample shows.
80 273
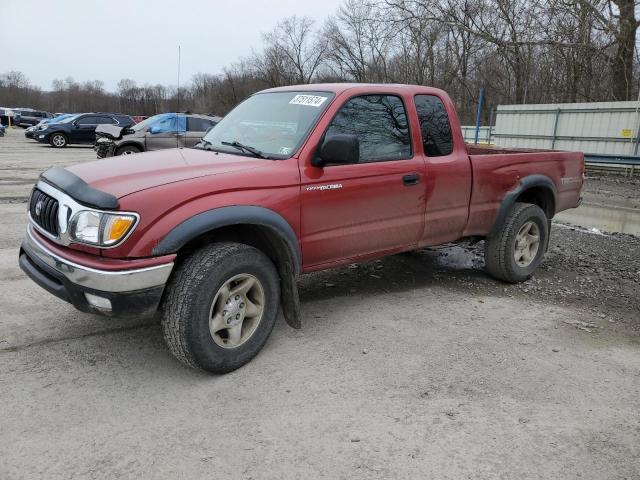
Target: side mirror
338 149
154 129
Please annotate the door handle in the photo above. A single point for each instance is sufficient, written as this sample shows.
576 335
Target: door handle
411 179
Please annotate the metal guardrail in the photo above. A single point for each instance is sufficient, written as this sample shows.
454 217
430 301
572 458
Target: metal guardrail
612 159
554 138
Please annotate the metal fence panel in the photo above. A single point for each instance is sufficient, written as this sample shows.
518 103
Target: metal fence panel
609 128
485 134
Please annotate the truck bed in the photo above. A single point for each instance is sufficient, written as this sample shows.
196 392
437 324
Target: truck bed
496 170
479 149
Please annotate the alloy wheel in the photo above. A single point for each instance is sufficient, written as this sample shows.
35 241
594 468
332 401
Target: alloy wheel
527 244
236 310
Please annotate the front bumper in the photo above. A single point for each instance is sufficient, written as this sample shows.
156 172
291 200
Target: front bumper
41 137
120 292
104 149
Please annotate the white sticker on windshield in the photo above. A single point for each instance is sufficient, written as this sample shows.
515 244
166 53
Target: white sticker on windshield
310 100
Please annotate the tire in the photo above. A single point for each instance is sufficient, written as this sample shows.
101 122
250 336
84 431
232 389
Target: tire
502 249
58 140
127 150
193 295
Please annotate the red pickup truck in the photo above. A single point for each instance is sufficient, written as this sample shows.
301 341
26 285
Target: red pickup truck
293 180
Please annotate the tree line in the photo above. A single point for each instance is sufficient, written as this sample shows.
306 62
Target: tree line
518 51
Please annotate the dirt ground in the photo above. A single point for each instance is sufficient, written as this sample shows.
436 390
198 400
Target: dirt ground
415 366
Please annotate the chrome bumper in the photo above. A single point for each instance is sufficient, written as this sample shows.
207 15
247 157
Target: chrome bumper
101 280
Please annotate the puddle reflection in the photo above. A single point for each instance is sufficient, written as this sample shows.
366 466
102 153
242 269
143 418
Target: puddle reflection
607 219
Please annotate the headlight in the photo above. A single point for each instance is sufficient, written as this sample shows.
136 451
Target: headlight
101 229
42 127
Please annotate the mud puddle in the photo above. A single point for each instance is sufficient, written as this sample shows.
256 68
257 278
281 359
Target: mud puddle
606 219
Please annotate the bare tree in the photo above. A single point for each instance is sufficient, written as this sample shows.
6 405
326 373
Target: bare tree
292 53
359 42
516 50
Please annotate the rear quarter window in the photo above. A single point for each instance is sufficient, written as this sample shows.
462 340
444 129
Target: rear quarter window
195 124
434 126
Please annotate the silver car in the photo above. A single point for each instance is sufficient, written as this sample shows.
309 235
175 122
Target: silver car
166 130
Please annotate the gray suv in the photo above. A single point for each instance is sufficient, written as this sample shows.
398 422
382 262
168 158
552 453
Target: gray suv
28 117
167 130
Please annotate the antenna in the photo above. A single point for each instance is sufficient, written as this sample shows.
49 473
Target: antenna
178 109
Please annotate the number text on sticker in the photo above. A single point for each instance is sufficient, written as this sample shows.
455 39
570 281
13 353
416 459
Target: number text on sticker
309 100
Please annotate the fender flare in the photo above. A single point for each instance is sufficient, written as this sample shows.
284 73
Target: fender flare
226 216
509 199
246 215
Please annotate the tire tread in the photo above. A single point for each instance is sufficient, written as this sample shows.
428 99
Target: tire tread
496 250
181 292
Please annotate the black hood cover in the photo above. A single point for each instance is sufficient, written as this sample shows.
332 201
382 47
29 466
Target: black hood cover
78 189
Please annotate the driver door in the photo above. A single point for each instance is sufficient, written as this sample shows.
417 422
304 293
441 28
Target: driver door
83 130
168 132
376 205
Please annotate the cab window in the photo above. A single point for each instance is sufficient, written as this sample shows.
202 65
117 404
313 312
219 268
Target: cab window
434 126
380 124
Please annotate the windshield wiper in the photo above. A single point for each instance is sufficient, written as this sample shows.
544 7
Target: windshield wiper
246 148
203 144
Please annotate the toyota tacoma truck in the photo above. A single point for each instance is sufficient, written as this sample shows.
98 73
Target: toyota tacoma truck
293 180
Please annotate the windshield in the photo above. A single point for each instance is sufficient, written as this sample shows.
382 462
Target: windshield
57 119
69 119
275 124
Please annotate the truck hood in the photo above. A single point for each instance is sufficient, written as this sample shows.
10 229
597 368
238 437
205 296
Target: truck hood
110 131
128 174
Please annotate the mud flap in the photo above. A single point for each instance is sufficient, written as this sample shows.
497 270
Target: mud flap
289 298
546 248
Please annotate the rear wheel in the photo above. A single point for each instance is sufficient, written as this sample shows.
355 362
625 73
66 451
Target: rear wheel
220 307
58 140
127 150
514 252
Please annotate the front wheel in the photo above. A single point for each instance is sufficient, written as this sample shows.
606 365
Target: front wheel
220 307
58 140
514 252
128 150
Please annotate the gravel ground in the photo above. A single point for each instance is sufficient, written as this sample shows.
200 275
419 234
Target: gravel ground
619 191
414 366
579 270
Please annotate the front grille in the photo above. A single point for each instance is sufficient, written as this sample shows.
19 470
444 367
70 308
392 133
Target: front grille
44 211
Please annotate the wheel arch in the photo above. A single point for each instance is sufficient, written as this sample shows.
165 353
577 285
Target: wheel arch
536 189
130 143
58 132
259 227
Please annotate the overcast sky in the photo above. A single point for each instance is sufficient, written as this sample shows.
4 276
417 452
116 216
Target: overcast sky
112 39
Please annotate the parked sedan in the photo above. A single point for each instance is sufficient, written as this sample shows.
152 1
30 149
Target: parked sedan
31 132
167 130
80 128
